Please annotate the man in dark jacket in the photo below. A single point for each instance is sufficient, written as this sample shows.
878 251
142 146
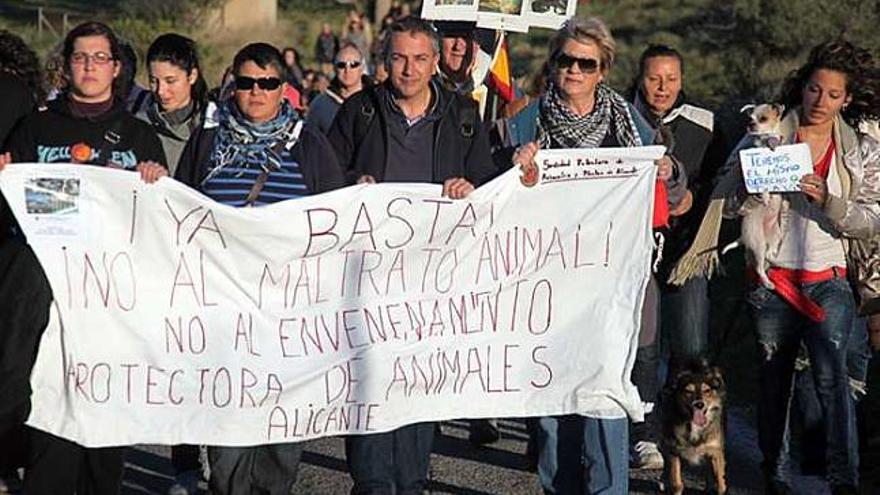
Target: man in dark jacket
410 129
407 130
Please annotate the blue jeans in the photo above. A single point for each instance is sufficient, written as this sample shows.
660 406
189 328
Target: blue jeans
583 455
805 401
781 329
395 462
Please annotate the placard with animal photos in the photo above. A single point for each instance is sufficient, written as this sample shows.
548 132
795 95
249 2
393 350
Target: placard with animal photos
506 15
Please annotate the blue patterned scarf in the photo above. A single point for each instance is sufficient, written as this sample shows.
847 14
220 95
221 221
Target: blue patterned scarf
245 144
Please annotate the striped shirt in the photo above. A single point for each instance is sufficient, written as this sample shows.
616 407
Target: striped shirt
232 184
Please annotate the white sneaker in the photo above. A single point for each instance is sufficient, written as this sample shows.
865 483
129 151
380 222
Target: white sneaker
646 455
178 489
187 483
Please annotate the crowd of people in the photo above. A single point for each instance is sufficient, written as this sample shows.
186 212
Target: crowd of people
398 107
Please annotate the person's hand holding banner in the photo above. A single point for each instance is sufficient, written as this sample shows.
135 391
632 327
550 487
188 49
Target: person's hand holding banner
180 320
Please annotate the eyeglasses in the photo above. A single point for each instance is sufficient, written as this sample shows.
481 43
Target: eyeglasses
352 64
97 58
244 83
586 65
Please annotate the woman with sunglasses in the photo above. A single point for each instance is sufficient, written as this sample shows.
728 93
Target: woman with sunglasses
88 124
178 93
350 79
587 453
255 152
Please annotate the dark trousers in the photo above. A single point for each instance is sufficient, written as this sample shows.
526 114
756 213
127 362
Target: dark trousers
684 320
24 313
645 370
60 467
185 458
391 463
261 470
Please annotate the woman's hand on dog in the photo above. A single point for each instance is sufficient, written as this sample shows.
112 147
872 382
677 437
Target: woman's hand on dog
814 187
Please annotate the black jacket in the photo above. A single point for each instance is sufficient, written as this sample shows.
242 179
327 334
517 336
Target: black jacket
320 169
17 102
461 146
692 131
55 135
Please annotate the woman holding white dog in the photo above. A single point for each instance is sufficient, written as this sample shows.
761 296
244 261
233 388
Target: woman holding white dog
827 228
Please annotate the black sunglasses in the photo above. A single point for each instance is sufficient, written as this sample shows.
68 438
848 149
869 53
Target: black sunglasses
342 64
244 83
588 65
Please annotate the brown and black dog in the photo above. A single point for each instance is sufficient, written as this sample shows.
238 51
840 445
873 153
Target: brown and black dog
693 423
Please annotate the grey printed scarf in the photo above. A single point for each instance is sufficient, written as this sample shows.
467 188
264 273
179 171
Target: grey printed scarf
559 127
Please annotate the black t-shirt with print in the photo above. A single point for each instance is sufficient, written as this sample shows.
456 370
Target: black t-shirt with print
56 135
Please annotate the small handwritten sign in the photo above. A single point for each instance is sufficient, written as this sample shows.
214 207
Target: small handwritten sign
779 170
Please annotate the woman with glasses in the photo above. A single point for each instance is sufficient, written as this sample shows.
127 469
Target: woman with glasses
178 93
87 124
588 452
255 152
350 79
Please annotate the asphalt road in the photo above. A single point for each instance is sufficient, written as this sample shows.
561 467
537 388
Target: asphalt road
459 468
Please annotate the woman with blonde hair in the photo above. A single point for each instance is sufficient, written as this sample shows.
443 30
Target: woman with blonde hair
589 452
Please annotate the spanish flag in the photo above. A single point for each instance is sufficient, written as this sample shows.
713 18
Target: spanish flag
500 72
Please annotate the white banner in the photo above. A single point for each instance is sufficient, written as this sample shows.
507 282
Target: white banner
180 320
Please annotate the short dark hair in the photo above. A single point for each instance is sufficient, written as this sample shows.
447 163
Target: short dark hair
862 79
181 52
654 51
412 25
94 28
262 54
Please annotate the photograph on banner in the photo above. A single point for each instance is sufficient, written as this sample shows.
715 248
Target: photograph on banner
778 170
52 195
548 13
377 306
505 15
450 10
53 205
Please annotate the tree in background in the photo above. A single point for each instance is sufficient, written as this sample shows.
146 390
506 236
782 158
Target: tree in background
734 50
